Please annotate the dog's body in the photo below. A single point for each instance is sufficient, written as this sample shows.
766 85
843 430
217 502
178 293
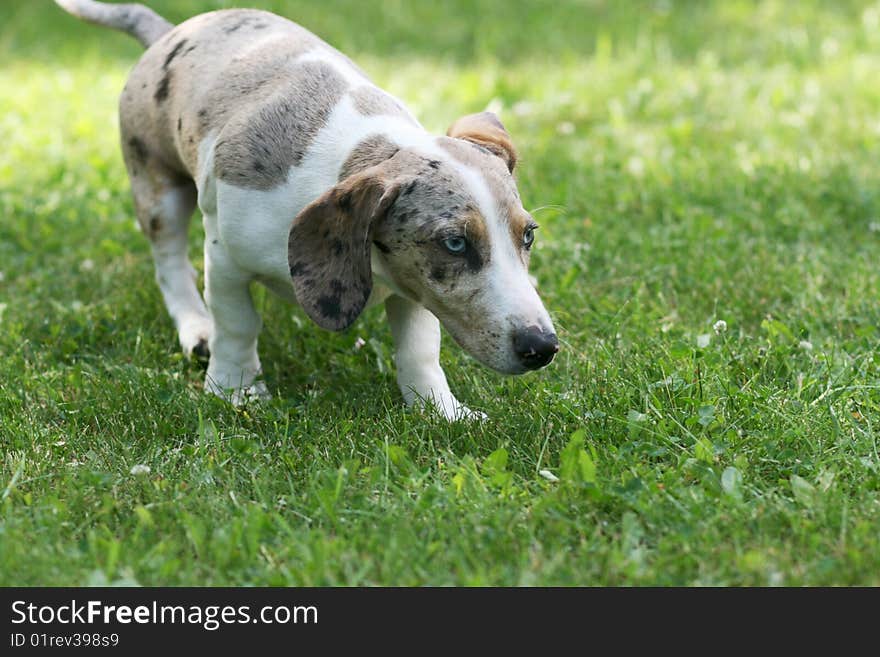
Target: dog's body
324 188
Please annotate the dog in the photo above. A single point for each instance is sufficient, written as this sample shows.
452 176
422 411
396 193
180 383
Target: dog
324 188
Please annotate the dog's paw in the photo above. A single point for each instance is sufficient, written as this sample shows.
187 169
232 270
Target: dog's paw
465 414
255 392
451 409
195 335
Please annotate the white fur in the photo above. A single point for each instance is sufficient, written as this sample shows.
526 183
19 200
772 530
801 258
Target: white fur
174 273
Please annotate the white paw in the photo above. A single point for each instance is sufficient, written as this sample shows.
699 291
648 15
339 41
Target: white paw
255 392
447 406
239 396
195 335
466 414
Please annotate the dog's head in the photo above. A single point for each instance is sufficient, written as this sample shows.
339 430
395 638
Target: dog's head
448 230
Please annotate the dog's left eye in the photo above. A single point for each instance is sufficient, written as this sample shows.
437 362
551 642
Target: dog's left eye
529 236
455 245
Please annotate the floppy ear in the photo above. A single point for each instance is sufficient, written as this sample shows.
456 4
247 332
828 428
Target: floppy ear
329 246
484 129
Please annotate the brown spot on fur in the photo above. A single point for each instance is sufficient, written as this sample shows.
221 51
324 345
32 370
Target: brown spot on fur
371 151
517 227
485 130
475 228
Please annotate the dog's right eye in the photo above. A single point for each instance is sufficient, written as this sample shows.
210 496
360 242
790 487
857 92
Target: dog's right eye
456 245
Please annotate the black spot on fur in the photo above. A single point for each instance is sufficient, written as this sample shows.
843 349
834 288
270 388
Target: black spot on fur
174 52
329 306
345 203
438 273
473 258
382 247
138 149
337 246
155 225
179 123
338 286
200 351
298 268
434 164
190 49
162 89
259 167
214 241
408 189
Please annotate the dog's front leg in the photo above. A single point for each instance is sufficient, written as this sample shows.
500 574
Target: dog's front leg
417 354
234 363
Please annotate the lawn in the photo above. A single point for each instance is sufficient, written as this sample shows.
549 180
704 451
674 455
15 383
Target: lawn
707 180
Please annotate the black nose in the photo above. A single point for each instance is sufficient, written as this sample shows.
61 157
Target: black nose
534 347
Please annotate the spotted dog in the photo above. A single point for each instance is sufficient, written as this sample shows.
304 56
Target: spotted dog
324 188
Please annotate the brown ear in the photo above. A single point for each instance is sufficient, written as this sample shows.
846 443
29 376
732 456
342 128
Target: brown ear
484 129
329 246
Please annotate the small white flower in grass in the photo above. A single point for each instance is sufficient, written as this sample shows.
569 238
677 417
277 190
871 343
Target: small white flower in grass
719 327
549 476
360 342
565 128
873 227
2 277
140 470
806 345
704 340
76 305
87 265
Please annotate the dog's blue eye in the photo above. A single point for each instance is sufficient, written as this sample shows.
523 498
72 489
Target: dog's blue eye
529 237
455 244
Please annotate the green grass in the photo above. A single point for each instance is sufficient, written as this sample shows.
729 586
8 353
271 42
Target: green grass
695 162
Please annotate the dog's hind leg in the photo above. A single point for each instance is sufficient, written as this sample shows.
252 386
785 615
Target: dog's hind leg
164 202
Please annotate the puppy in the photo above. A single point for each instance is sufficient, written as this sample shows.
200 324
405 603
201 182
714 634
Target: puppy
316 183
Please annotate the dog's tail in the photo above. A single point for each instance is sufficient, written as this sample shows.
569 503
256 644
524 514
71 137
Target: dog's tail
142 23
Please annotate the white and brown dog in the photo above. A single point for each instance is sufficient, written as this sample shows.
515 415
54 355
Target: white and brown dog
325 189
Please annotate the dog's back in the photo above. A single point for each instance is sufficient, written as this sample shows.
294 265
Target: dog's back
212 71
